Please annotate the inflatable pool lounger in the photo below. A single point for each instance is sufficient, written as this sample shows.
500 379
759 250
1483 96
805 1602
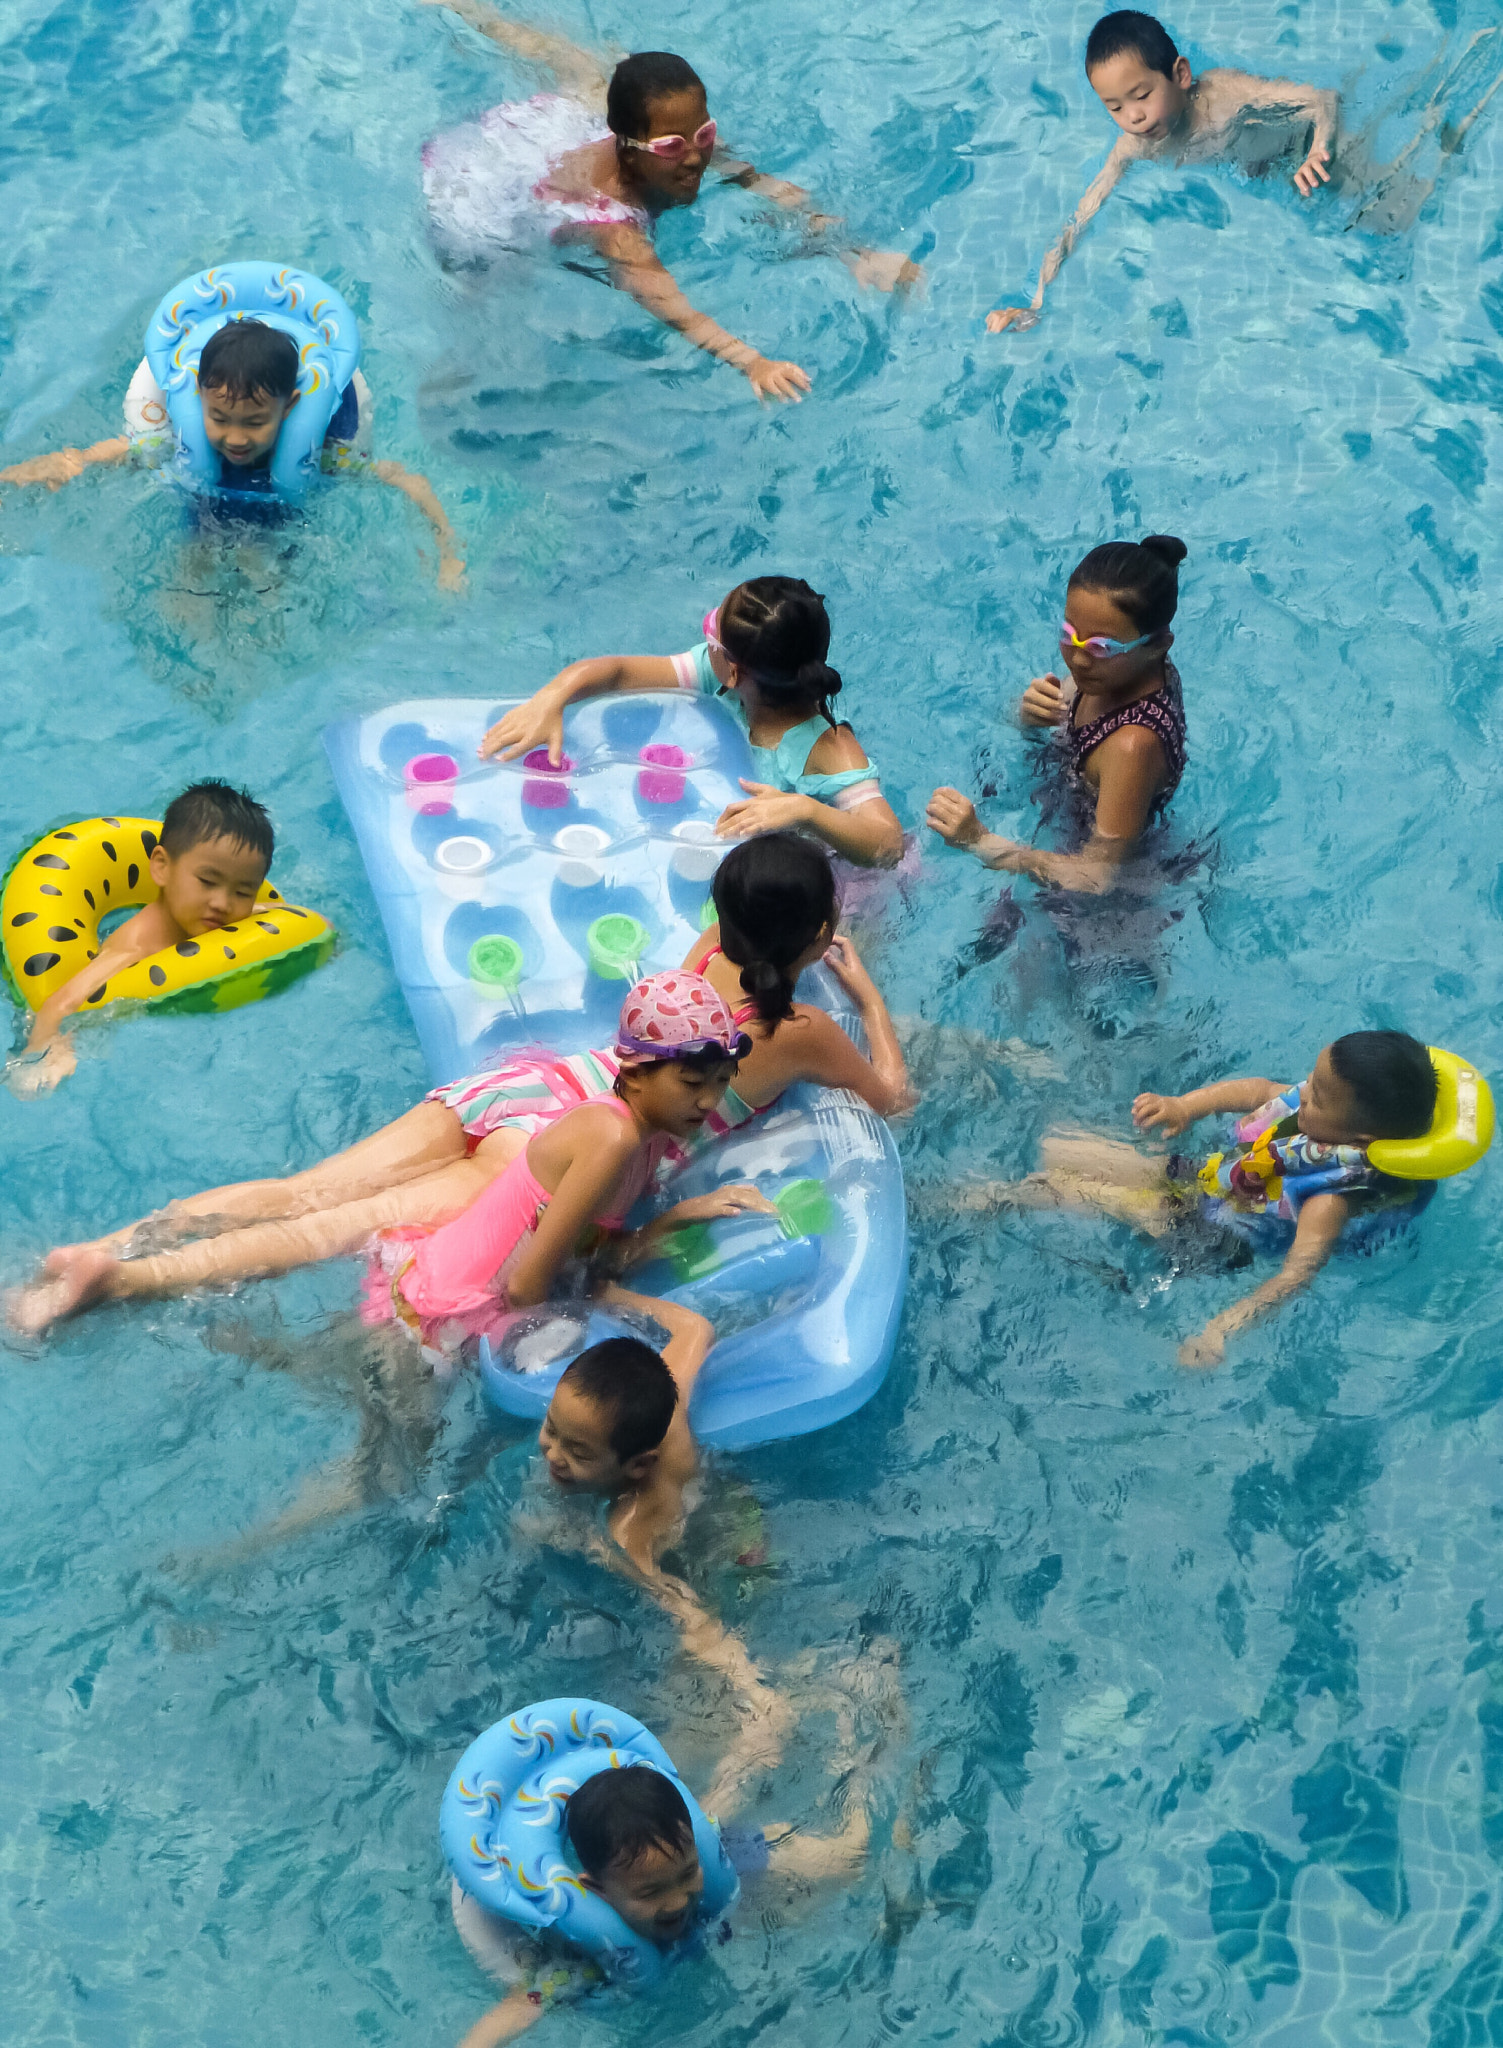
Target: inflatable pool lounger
519 901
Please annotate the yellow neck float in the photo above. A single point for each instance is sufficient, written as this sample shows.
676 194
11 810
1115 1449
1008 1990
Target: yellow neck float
1460 1131
59 889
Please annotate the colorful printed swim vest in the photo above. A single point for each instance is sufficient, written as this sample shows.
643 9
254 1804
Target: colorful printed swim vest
1271 1170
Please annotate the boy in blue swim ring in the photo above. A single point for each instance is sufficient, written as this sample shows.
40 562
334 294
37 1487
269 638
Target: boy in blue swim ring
247 382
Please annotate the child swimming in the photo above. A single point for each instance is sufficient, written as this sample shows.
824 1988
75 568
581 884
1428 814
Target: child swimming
247 385
1296 1174
676 1050
594 166
210 864
618 1425
766 652
1167 114
1119 718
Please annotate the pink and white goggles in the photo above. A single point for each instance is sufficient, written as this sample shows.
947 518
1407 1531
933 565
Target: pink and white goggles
673 148
670 1016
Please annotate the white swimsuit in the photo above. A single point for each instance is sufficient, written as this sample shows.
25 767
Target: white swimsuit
487 183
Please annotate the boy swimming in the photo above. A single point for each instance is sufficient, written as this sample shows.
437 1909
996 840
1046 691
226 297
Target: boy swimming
1166 114
247 385
1296 1174
618 1425
209 863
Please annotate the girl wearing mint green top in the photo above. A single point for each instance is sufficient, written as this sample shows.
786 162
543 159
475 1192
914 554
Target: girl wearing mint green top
764 652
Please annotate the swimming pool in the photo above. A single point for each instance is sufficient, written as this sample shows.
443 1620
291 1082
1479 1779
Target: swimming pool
1201 1673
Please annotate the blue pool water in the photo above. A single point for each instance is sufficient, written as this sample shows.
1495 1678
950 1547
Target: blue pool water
1202 1674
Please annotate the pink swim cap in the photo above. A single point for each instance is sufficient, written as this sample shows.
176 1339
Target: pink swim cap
669 1016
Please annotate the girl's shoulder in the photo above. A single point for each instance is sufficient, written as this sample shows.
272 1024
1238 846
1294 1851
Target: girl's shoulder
836 750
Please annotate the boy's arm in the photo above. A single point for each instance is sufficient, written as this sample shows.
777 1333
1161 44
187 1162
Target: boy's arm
423 495
1124 152
1175 1113
1320 1224
64 464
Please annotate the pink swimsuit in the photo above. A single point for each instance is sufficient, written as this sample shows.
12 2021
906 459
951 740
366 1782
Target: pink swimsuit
447 1282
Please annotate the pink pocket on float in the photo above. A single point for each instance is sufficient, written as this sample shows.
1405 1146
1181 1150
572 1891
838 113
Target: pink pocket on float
430 780
545 788
661 779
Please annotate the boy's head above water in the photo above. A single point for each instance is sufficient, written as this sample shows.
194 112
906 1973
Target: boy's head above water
247 376
212 856
609 1414
1138 74
632 1834
1370 1084
1119 606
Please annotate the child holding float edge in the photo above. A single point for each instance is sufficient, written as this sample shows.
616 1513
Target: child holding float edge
249 388
765 651
1352 1152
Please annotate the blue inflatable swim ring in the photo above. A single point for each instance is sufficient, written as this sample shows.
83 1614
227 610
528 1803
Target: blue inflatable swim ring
319 322
502 1829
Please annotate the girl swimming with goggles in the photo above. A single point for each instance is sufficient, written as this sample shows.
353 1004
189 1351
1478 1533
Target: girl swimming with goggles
1118 717
595 164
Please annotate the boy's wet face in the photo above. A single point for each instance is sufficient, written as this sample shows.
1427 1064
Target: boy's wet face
1142 102
1092 613
214 883
575 1441
657 1893
243 430
1328 1110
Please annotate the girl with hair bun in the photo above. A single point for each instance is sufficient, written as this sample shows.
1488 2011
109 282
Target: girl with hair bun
776 909
765 650
1118 717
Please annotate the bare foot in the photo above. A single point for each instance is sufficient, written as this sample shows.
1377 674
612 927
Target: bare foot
83 1278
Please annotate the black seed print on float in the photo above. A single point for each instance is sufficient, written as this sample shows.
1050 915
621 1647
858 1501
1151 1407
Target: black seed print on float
40 963
158 976
50 860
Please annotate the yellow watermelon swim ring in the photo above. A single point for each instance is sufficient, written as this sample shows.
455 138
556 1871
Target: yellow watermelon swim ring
58 890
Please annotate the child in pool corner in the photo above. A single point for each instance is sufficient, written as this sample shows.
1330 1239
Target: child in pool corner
1164 111
1118 716
765 650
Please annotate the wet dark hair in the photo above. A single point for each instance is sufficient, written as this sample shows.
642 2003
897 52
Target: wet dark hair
774 895
778 628
1140 575
217 810
633 1389
617 1816
1392 1079
248 359
638 82
1129 30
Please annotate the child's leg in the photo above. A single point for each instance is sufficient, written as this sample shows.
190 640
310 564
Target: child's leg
1085 1173
259 1250
423 1140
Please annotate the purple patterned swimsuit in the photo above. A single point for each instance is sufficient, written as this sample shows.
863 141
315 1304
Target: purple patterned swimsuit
1163 713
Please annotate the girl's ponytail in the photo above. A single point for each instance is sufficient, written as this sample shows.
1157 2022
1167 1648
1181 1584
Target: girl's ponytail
775 898
777 629
1141 575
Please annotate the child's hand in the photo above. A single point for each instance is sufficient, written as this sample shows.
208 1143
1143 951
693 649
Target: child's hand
1312 173
29 1076
1168 1113
1206 1347
953 817
52 470
883 270
777 380
451 573
844 962
1011 316
537 723
1043 702
734 1201
763 809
